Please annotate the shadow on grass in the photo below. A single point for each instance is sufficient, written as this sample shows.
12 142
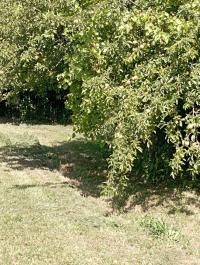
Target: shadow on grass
82 163
62 184
178 196
83 166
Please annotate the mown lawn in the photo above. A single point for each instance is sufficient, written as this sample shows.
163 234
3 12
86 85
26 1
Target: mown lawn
52 212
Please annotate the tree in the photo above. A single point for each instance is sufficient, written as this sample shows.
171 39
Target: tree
32 52
134 77
131 70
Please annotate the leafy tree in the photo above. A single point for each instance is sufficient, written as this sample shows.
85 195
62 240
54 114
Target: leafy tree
130 68
134 77
32 51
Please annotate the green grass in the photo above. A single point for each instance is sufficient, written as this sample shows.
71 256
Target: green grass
52 212
160 229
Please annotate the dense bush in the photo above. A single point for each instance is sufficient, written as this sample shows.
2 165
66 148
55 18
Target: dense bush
132 71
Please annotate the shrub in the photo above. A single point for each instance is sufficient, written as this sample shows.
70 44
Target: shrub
134 77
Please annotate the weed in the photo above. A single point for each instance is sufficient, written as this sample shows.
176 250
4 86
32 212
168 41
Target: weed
159 228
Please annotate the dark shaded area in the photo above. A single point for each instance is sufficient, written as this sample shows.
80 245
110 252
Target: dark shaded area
47 184
153 163
83 164
34 108
170 194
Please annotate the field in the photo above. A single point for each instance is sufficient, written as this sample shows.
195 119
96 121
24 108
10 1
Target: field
52 212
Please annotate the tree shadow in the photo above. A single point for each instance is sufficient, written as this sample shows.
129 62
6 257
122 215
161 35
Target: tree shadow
178 196
52 185
81 163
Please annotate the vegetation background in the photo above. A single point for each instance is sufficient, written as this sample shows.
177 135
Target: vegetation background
128 72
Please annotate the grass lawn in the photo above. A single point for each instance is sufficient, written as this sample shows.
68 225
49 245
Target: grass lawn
51 211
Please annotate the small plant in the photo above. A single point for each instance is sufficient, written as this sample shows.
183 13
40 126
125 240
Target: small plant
159 229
